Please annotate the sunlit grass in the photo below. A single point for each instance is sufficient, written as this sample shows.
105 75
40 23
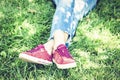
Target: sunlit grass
1 15
104 36
30 30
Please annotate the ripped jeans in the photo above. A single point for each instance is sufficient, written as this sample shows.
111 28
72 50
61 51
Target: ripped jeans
67 15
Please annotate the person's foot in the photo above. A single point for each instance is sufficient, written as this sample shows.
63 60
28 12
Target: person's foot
37 55
62 58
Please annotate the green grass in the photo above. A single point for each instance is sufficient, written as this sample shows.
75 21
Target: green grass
96 46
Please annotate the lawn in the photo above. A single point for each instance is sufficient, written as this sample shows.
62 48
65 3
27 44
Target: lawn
96 46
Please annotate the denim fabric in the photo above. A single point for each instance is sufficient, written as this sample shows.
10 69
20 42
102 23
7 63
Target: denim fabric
67 15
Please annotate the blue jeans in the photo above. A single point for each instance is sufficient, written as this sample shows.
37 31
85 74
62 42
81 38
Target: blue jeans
67 15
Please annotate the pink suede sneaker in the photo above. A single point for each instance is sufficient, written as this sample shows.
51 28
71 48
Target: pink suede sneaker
37 55
62 58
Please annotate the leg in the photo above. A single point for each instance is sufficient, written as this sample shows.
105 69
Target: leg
61 21
49 46
66 18
60 37
81 8
63 29
59 32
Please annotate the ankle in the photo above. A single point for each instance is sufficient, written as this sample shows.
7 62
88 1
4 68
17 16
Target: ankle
48 49
49 46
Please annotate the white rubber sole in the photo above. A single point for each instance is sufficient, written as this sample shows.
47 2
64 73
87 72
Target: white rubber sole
31 59
65 66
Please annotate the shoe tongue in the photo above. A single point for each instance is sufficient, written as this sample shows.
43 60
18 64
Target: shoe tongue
61 46
40 46
36 48
63 50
